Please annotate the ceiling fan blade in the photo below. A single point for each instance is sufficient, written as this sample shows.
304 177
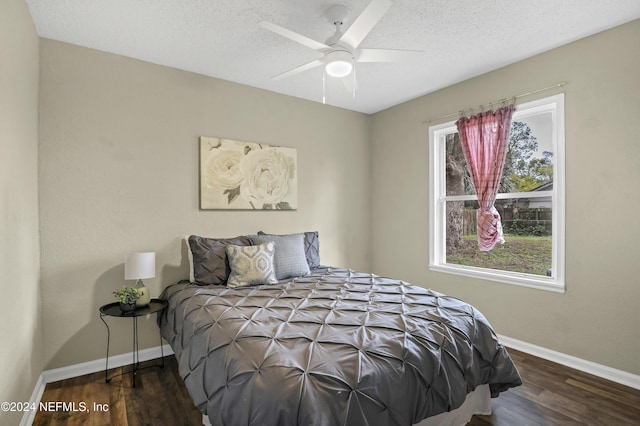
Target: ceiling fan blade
387 55
364 23
298 38
301 68
350 83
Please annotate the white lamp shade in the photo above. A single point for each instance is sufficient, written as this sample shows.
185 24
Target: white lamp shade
138 266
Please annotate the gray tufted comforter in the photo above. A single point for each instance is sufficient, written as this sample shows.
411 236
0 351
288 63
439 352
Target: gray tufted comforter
337 347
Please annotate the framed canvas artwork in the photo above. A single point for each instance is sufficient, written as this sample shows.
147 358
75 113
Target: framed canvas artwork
236 175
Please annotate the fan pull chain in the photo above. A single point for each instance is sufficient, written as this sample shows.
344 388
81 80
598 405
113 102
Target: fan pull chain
354 82
324 99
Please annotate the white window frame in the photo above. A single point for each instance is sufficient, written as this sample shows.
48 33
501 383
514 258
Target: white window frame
438 199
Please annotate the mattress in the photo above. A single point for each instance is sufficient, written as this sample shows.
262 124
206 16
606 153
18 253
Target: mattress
336 347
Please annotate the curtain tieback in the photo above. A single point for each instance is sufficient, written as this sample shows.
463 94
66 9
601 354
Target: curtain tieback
489 228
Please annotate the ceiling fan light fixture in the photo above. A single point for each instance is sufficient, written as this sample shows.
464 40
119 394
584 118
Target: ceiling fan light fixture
339 63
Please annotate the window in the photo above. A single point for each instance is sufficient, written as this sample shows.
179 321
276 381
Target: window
530 202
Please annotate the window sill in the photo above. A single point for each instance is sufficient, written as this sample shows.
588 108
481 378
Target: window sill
522 280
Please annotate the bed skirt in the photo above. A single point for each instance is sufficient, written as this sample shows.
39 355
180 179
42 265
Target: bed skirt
477 402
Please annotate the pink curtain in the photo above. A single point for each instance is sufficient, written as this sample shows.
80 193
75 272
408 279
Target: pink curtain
485 139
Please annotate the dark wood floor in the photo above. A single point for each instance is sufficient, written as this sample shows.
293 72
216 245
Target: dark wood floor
551 395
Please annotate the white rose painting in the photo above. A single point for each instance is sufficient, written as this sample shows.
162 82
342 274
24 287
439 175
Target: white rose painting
239 175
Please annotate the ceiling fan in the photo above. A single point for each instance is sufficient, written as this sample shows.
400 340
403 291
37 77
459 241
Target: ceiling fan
340 51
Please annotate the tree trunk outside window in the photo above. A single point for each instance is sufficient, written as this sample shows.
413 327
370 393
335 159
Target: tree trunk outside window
455 186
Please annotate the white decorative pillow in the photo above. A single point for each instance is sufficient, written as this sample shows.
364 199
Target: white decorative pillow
290 259
251 265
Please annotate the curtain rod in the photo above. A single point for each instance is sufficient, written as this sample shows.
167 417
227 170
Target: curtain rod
503 100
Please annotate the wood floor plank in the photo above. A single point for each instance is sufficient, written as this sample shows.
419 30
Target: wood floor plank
606 391
619 404
551 395
117 402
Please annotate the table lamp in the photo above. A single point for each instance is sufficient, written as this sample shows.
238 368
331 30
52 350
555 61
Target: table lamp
138 266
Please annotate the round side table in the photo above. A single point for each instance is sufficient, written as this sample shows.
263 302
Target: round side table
113 310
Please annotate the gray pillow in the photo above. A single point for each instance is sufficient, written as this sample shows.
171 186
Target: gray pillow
290 260
251 265
311 247
208 261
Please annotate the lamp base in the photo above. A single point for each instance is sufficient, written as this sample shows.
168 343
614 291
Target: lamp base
144 299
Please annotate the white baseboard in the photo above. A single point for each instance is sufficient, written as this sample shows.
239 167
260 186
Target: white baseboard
56 374
98 365
618 376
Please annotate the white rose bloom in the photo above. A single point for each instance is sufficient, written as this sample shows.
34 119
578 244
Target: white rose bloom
267 173
223 169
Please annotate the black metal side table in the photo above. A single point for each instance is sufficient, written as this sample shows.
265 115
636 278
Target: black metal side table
113 310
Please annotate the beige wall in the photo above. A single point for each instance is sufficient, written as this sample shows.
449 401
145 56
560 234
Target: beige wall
119 173
20 324
598 318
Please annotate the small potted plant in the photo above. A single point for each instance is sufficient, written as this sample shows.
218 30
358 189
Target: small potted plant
127 297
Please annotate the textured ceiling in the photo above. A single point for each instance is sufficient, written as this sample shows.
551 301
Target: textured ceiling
221 38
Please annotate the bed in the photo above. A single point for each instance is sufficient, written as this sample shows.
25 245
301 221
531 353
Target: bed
332 346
